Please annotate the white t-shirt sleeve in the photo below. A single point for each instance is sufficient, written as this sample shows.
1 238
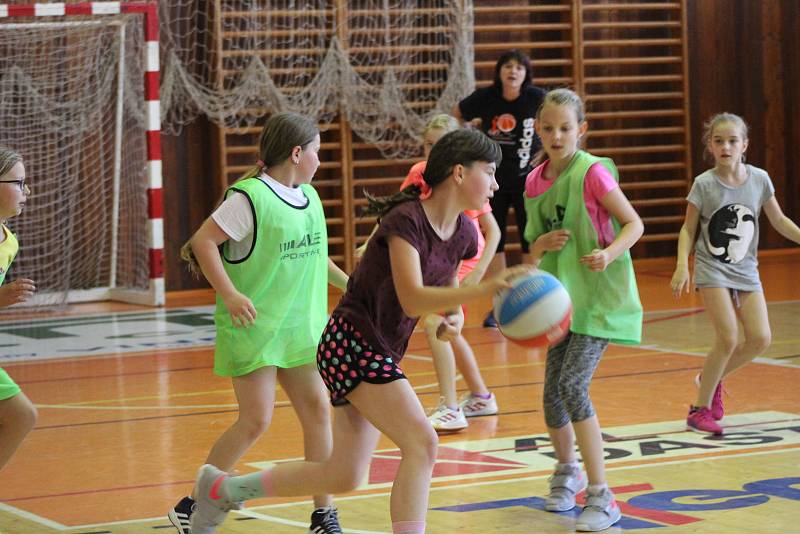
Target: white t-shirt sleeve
235 217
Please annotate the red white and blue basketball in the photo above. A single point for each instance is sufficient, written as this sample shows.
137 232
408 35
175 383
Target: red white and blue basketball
535 312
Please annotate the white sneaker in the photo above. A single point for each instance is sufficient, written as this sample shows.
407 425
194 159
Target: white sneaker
474 406
601 511
565 484
446 419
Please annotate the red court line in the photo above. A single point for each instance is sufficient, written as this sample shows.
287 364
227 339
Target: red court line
675 316
655 274
140 419
102 490
661 516
114 375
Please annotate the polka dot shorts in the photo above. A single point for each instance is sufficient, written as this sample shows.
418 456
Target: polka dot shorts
344 359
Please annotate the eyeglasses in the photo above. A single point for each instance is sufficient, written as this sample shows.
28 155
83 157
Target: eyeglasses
20 183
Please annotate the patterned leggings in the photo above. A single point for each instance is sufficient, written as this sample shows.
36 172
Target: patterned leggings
568 371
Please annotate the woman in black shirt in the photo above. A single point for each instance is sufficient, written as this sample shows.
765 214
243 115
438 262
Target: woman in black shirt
505 111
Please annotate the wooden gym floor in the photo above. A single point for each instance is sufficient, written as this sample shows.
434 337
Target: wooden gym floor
125 420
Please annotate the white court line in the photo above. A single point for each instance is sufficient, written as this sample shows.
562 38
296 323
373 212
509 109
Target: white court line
303 525
702 308
417 357
433 384
251 512
32 517
760 359
181 406
161 519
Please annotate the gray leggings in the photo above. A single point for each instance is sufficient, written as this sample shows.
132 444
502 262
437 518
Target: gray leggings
568 371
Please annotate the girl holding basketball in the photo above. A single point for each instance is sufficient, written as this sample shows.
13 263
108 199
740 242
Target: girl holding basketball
451 413
420 243
581 227
17 413
725 202
264 250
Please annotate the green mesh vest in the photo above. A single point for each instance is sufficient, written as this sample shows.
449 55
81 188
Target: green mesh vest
285 275
606 304
8 251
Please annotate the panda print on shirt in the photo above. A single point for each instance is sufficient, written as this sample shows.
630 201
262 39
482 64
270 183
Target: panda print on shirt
730 231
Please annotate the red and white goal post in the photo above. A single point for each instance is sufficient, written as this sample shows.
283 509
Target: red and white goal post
93 226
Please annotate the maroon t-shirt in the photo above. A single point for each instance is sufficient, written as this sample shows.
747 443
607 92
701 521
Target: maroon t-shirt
370 302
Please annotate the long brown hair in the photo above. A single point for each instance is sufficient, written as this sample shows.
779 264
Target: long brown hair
281 133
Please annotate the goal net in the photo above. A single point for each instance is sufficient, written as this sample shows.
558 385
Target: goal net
73 104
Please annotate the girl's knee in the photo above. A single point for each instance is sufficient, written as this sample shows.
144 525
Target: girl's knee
253 426
551 395
727 342
423 444
344 478
760 342
31 417
581 412
429 443
555 416
19 412
27 417
317 414
572 391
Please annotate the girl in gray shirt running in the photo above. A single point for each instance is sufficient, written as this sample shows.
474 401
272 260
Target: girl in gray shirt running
726 201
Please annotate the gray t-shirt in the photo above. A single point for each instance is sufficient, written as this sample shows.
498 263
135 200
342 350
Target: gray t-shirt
725 252
370 302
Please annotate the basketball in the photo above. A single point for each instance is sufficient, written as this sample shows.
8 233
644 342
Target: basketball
535 312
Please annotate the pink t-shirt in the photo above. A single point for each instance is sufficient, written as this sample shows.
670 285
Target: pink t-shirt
597 183
415 178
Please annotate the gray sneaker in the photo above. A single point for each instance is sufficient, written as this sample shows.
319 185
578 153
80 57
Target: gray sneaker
565 484
601 511
210 509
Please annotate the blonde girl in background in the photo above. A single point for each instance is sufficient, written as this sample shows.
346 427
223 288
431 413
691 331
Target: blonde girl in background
724 204
264 250
581 227
451 413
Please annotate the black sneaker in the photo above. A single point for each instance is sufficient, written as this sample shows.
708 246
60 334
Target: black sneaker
325 521
490 322
179 516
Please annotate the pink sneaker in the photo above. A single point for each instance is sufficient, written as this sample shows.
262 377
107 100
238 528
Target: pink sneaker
717 408
700 420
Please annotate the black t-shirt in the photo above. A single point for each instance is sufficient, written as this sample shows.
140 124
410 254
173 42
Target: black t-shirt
510 123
